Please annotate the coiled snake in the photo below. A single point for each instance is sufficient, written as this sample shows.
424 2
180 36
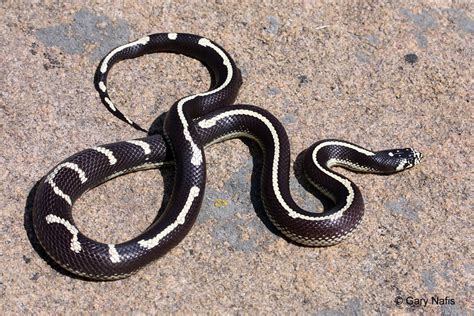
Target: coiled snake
191 124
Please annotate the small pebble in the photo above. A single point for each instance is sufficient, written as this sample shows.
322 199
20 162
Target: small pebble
411 58
35 276
26 259
302 80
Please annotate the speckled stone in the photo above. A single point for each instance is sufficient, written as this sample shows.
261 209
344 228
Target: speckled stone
327 69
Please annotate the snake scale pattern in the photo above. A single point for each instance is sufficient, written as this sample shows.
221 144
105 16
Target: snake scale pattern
192 124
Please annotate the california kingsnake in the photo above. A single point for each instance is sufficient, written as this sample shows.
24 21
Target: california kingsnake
191 124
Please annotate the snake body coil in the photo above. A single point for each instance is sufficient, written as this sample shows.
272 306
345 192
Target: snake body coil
191 124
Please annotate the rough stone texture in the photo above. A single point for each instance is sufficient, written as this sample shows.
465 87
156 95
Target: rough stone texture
326 70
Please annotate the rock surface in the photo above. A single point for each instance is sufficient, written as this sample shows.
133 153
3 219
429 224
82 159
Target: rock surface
327 70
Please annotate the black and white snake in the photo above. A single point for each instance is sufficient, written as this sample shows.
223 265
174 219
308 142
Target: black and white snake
191 124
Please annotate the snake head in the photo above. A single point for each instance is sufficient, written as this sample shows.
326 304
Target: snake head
399 159
408 158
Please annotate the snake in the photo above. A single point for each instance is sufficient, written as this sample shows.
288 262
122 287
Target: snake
192 124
